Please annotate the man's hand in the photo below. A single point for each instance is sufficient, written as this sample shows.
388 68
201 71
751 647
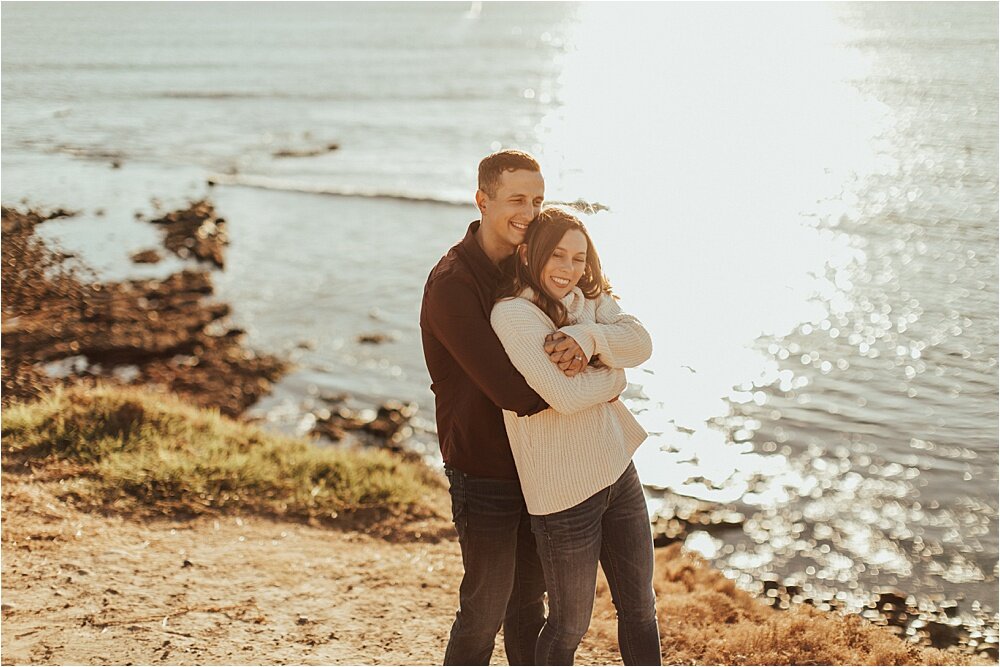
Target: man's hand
565 353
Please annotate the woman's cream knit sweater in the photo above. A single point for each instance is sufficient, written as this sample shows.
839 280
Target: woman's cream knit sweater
584 443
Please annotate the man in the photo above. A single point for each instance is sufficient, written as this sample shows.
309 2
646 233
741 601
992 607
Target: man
472 380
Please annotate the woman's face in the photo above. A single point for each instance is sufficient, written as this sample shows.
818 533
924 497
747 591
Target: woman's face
565 265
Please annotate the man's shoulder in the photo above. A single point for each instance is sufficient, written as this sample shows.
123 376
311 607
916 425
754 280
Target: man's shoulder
451 290
450 271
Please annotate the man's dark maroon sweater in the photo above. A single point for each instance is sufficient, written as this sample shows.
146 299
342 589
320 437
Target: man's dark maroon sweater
471 376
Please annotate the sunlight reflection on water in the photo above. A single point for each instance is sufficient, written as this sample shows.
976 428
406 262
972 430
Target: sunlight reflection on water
743 155
646 105
803 210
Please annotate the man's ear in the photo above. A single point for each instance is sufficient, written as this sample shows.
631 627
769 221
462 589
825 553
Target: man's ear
481 198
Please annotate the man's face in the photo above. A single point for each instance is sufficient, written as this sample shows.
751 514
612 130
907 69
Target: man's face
518 200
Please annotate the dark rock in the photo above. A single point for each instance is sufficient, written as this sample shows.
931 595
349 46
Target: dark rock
391 419
197 231
771 585
307 152
146 257
15 221
297 153
52 311
943 635
891 597
678 515
374 338
61 213
389 427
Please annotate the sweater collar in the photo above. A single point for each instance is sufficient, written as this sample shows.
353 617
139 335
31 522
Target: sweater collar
574 302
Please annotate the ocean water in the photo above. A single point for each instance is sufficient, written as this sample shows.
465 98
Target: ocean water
802 208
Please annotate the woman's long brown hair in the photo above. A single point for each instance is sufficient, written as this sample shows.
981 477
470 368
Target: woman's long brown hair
541 240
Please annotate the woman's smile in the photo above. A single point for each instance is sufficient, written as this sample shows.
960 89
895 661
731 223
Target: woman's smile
566 265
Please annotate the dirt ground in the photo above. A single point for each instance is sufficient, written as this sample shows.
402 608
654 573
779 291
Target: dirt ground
87 589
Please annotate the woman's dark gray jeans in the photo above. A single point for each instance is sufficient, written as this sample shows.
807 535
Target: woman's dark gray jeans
612 527
503 581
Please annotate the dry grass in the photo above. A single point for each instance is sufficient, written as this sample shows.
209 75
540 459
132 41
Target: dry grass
706 620
141 453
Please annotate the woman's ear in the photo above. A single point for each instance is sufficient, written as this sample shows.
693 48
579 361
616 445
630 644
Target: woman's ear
522 252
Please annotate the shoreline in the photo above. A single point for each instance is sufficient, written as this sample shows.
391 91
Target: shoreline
97 578
391 430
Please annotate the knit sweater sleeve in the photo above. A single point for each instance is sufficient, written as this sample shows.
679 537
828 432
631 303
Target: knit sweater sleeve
521 328
618 338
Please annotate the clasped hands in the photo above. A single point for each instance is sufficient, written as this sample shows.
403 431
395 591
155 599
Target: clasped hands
565 353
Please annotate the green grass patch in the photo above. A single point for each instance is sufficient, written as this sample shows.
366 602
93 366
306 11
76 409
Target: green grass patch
147 453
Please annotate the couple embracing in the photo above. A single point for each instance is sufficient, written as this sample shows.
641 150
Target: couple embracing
525 346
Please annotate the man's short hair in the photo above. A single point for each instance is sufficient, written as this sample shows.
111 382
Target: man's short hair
492 166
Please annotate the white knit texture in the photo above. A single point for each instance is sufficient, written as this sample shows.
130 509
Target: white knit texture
584 443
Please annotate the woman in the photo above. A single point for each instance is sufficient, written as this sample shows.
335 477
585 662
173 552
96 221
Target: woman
575 460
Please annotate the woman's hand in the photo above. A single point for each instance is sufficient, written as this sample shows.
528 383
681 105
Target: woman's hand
565 353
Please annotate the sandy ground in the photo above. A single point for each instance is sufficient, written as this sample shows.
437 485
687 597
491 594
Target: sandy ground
87 589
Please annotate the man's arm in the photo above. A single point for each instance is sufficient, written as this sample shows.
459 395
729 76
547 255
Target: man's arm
522 328
454 314
618 338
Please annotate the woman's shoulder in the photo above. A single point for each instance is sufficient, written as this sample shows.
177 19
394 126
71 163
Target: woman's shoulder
514 303
519 310
595 302
604 299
